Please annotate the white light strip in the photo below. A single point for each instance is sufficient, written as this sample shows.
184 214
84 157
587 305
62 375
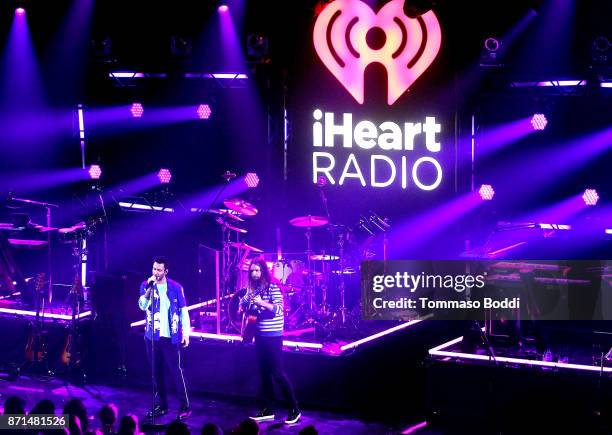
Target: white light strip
520 361
189 308
606 85
305 345
562 83
47 315
378 335
608 230
228 337
229 76
555 226
222 337
126 74
145 207
437 351
81 124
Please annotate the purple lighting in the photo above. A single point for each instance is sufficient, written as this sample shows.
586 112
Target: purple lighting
20 11
95 172
590 197
539 121
486 192
223 8
137 110
251 179
204 111
164 176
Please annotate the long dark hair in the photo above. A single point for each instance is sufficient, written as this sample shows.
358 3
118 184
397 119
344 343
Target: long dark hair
264 281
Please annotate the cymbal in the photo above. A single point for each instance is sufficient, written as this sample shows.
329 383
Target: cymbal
220 221
245 246
309 221
227 214
73 229
324 257
241 206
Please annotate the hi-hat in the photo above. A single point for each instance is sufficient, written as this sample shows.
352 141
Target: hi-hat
309 221
241 206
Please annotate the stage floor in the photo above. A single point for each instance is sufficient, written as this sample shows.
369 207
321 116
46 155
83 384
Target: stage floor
206 409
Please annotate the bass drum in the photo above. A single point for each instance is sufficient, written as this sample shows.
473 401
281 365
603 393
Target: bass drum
235 318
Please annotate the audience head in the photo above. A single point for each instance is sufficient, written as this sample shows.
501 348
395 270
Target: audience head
77 407
14 405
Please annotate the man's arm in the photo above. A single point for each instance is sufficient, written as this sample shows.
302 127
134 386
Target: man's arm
144 301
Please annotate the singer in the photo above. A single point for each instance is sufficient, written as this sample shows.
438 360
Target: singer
266 300
168 326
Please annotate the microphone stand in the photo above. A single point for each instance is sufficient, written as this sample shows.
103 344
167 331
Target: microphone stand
152 326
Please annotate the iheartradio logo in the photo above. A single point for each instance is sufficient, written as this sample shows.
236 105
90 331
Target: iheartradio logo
410 44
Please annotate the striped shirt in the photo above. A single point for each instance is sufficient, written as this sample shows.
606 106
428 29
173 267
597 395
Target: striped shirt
269 323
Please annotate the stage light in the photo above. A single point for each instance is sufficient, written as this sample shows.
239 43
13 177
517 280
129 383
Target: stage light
181 47
486 192
137 110
164 176
539 121
491 53
223 7
95 172
600 51
257 45
204 111
491 44
20 11
251 179
590 197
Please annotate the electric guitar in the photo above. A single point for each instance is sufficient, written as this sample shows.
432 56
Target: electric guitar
36 349
68 351
249 319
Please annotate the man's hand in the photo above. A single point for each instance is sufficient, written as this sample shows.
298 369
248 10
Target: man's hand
257 300
185 341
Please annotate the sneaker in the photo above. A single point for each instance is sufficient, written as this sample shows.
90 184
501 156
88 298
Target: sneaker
158 411
294 416
184 413
263 415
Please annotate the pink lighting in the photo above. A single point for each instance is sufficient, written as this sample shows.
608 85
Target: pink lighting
164 176
20 11
95 172
590 197
204 111
223 8
539 121
251 179
486 192
410 46
137 110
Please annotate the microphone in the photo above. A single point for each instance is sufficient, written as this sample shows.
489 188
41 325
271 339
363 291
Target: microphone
150 284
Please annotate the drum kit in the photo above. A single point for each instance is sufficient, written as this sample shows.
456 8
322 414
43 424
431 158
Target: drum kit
313 283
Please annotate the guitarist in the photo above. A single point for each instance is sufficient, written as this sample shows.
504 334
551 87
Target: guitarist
265 300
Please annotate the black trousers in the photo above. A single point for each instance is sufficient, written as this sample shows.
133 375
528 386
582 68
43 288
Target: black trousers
167 359
269 352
